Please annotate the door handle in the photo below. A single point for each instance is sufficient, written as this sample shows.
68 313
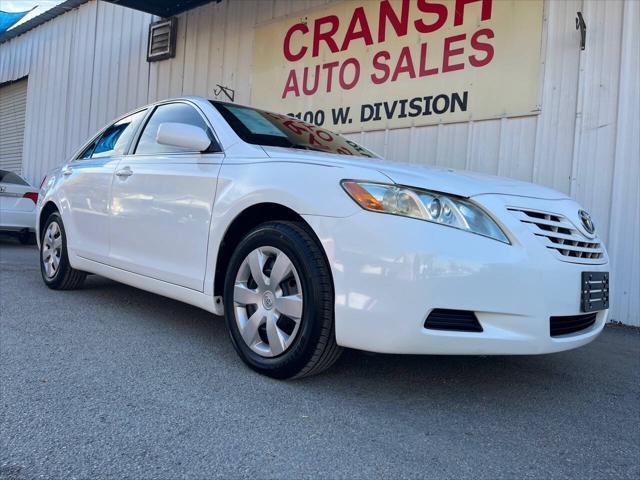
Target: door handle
66 171
124 172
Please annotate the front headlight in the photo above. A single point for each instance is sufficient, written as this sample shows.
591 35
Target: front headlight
424 205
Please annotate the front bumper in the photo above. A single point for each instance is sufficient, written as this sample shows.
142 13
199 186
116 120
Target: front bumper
390 272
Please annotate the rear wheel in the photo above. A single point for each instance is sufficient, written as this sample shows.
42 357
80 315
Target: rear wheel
56 270
278 300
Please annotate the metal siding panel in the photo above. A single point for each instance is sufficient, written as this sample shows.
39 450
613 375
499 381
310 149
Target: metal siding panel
134 85
282 8
63 58
376 141
238 46
554 136
485 146
595 140
124 73
265 11
624 227
120 74
201 28
52 122
398 144
517 148
101 66
424 144
166 76
36 127
15 59
244 54
81 77
452 145
216 56
191 49
32 92
177 63
143 69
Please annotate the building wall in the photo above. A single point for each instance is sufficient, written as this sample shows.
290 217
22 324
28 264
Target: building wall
13 113
89 65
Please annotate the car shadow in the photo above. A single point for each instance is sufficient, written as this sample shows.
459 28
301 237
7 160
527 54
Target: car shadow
10 240
466 380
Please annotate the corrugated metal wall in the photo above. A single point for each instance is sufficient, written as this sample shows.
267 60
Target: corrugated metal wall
13 107
87 66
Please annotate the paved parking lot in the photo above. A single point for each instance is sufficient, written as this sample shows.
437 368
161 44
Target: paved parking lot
111 381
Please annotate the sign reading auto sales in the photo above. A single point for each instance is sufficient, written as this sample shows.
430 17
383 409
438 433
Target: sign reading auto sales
375 64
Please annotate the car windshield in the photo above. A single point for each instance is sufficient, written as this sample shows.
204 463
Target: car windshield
276 130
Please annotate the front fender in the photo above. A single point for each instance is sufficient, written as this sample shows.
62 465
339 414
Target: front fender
305 188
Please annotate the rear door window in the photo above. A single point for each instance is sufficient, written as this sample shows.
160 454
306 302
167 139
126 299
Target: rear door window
115 139
86 153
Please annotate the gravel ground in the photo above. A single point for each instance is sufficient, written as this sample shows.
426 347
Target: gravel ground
113 382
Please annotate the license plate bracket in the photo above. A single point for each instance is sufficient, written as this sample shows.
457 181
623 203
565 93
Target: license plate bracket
595 291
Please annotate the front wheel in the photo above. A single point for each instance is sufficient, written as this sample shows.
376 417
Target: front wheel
279 302
56 270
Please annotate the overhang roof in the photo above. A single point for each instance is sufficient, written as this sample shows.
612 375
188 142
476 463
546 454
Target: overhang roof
50 14
161 8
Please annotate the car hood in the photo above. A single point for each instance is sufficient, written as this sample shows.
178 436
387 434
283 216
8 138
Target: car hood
447 180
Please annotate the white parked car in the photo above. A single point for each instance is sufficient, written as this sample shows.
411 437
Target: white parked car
307 242
17 206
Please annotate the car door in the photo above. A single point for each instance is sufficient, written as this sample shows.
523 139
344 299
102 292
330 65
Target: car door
86 189
161 203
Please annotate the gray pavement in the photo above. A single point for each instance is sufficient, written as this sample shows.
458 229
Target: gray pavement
113 382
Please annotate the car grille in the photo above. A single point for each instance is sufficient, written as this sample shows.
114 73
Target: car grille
455 320
561 236
570 324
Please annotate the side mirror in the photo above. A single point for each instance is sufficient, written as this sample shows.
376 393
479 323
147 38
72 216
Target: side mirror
183 135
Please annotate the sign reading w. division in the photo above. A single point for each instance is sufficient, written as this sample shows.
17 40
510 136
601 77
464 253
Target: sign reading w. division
371 64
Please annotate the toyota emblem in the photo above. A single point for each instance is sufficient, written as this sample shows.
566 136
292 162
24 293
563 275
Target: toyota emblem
587 223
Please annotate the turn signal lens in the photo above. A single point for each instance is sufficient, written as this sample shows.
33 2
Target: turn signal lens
362 197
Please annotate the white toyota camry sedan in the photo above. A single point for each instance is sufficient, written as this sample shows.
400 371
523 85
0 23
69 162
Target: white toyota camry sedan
307 242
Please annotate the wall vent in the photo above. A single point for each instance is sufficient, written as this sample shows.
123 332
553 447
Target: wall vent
162 40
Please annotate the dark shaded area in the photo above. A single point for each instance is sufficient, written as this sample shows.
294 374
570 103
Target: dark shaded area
162 8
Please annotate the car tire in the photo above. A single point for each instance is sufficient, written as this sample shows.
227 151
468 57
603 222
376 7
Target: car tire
309 346
57 272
